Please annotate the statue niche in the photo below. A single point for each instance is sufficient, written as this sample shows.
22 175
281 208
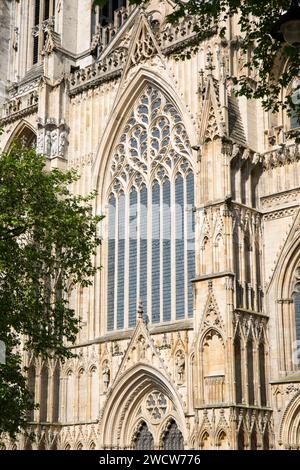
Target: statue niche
213 368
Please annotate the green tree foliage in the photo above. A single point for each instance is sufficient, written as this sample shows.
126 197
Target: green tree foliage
48 237
263 78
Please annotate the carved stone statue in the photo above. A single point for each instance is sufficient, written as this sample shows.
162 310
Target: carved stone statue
106 375
54 143
180 365
141 347
47 148
40 142
62 143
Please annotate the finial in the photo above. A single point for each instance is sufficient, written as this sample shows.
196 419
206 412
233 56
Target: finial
210 66
140 312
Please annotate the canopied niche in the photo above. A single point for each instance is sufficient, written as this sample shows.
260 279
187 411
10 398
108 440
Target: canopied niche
213 368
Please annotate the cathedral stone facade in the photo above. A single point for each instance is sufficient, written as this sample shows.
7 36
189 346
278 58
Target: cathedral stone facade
190 331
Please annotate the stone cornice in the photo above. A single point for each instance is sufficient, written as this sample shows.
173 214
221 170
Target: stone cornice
109 66
278 214
127 334
19 114
283 155
93 83
281 198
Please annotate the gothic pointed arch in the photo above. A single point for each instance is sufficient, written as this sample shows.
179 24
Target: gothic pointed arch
141 394
148 168
204 440
144 76
171 437
283 288
222 440
290 424
24 133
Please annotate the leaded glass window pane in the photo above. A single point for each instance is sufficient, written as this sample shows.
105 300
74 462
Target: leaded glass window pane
143 247
133 258
111 262
166 251
179 200
144 439
190 238
173 439
121 261
155 253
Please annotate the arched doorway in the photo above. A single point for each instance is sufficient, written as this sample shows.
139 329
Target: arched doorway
142 400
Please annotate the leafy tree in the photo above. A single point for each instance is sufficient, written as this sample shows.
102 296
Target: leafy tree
48 237
262 53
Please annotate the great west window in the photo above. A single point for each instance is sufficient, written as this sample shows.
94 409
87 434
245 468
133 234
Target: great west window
151 245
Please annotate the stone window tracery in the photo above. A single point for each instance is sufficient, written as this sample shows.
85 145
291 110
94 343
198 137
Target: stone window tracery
143 439
173 439
156 405
151 246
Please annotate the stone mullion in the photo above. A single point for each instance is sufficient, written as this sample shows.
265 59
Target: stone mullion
51 8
